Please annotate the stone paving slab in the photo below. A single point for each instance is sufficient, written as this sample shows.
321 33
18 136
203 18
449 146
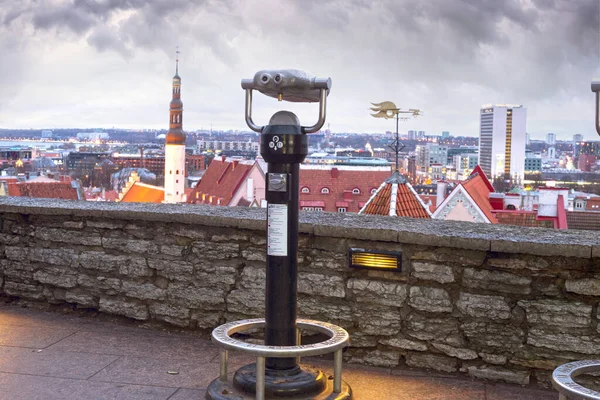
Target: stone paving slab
32 387
52 363
85 356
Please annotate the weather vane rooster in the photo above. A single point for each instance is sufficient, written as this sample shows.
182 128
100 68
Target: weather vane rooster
387 110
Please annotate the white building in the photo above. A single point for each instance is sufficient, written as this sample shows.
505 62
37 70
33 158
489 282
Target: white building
551 138
502 139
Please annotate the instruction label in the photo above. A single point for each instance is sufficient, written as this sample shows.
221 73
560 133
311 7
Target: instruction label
277 229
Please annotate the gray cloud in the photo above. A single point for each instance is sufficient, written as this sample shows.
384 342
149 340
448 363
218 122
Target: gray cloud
447 56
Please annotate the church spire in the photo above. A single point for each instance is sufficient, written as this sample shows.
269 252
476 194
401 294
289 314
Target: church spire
177 61
176 134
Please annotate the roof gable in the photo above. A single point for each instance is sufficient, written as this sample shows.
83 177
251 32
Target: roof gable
221 181
461 195
144 193
479 171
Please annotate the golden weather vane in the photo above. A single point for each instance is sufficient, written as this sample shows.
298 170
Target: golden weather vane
387 110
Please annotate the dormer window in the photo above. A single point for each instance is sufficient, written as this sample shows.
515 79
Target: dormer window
373 190
305 190
356 191
325 190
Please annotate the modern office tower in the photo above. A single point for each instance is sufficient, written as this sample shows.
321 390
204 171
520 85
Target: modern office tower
445 135
551 138
502 140
577 138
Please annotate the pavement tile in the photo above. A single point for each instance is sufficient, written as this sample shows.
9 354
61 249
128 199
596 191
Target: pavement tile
27 387
188 394
52 363
34 337
138 345
190 373
513 392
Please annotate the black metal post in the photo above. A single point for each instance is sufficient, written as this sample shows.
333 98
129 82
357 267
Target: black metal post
284 147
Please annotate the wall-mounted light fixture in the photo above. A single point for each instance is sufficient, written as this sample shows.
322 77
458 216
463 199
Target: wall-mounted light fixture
375 259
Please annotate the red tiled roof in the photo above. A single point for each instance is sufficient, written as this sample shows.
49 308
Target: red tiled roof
477 187
396 190
48 190
220 181
522 218
340 182
588 220
479 171
143 193
593 204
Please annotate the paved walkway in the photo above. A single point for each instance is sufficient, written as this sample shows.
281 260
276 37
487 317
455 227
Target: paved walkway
53 355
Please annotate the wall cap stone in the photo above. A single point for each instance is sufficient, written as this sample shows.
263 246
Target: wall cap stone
452 234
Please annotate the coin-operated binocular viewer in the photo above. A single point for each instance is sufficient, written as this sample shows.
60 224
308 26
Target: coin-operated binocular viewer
277 372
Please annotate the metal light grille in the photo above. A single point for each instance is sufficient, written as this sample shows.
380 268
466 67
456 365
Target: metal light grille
373 259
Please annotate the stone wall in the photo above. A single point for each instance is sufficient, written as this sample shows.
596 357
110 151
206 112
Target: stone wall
494 302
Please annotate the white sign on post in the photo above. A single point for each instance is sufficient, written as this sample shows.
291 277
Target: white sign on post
277 229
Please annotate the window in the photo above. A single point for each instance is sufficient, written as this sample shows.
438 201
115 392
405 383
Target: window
177 172
308 208
176 192
171 172
176 180
373 190
342 209
325 190
318 208
305 190
356 191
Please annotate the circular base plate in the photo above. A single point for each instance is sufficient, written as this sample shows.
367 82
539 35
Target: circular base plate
282 383
224 390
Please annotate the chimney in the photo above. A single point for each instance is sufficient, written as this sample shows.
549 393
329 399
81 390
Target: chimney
335 172
223 158
234 164
441 193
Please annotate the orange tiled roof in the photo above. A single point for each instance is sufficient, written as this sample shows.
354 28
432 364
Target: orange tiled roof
479 171
220 182
48 190
479 191
396 197
341 184
143 193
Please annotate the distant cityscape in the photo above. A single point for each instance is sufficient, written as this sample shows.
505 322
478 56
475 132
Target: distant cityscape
502 176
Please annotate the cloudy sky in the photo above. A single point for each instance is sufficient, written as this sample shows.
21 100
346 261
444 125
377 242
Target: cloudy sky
105 63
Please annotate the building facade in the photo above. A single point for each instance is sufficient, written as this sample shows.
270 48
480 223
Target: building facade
502 139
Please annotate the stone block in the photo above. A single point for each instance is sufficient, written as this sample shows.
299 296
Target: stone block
195 233
189 294
379 358
247 302
378 320
482 333
463 354
138 246
126 308
171 269
476 305
378 292
336 312
496 281
583 344
27 291
135 267
172 250
142 291
499 374
449 255
55 277
16 253
443 330
359 339
322 285
215 251
519 263
432 361
586 286
81 299
432 272
105 224
169 311
254 254
559 313
68 236
59 257
230 236
99 283
207 320
403 343
430 299
493 358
